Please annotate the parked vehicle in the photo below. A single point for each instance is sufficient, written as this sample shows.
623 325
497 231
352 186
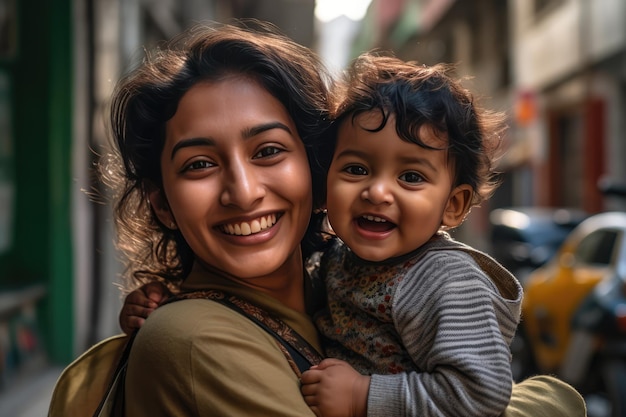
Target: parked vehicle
574 315
525 238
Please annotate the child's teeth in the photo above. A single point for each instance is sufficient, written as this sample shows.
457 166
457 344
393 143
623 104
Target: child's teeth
374 219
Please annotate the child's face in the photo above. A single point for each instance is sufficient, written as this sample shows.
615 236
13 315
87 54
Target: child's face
386 197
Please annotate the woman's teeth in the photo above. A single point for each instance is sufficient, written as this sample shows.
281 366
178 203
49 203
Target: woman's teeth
248 228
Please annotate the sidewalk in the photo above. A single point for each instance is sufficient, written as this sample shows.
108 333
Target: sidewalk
29 396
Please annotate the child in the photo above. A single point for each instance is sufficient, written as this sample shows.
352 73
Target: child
430 319
423 321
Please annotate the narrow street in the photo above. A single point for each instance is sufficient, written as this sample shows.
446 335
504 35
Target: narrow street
29 395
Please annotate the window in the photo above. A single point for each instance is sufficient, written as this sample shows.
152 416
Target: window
597 248
543 6
8 31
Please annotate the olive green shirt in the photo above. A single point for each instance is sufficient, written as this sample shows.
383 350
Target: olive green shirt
200 358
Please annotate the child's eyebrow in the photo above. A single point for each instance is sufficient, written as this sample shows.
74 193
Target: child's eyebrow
417 160
351 152
406 160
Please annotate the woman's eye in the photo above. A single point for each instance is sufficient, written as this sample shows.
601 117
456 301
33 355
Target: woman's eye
268 151
356 170
411 177
198 165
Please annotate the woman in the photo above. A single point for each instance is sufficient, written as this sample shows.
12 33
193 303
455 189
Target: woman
217 135
213 134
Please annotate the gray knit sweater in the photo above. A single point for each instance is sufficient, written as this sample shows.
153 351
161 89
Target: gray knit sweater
433 328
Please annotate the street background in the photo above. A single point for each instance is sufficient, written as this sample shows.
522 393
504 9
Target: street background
556 67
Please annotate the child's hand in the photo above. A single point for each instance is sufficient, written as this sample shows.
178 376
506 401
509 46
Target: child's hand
140 303
334 389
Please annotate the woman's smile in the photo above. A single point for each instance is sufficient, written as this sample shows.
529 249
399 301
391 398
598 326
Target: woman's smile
245 228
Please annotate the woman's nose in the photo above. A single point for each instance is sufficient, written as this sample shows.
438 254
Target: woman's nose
242 185
378 192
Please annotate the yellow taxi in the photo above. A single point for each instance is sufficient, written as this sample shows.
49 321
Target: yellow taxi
592 258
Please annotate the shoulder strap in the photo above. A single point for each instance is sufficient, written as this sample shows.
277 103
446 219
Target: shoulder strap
299 353
112 403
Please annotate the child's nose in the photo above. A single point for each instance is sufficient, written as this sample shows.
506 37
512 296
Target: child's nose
378 192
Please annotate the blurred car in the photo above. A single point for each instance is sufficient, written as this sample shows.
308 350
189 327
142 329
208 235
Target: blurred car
574 312
525 238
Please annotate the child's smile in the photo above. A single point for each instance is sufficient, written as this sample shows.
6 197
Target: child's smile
374 226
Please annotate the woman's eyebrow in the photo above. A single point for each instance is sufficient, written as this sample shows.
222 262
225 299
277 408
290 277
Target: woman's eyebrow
247 133
255 130
185 143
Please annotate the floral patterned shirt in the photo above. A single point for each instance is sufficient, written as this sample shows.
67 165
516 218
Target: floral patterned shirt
432 327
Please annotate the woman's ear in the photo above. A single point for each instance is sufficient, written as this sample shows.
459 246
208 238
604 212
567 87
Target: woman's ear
160 206
459 203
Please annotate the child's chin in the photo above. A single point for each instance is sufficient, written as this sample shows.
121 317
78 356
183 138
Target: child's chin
371 256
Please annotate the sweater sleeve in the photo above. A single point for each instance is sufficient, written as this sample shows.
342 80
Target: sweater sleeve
446 311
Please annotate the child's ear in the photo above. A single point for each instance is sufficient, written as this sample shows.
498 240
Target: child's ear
458 205
160 206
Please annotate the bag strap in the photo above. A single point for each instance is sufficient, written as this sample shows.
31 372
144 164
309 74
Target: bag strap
112 404
299 353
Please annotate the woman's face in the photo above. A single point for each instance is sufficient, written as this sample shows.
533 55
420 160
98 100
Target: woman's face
237 180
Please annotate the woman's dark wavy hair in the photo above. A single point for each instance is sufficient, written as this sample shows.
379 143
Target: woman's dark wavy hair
146 98
418 95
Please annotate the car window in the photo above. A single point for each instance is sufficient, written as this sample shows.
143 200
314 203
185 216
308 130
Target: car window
596 248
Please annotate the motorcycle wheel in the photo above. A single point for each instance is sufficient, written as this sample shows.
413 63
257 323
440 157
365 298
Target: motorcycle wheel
522 362
614 376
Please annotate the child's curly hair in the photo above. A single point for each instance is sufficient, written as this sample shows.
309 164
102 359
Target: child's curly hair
419 95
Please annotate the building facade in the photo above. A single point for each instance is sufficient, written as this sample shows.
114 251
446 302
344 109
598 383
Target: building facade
59 61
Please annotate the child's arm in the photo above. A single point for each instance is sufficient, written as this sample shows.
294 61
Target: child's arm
139 304
334 389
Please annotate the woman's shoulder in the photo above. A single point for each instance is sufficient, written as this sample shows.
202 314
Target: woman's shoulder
198 319
197 350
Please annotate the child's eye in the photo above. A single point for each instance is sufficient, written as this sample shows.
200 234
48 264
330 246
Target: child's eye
268 151
355 170
411 177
